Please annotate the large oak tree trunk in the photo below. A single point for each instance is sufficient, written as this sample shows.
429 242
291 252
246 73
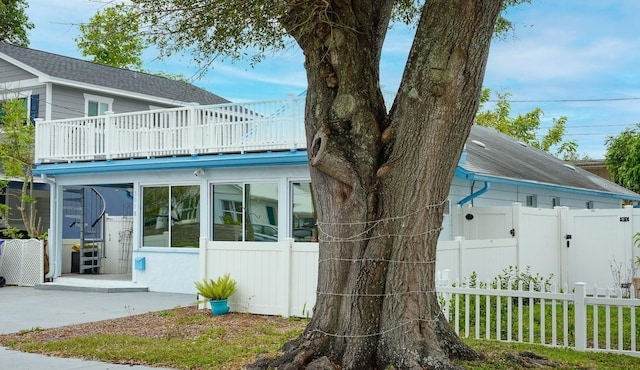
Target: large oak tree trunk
381 179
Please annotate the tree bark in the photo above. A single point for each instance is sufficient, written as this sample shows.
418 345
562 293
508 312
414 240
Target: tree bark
381 179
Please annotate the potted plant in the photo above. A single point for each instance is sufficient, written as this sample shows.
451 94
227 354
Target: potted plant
217 292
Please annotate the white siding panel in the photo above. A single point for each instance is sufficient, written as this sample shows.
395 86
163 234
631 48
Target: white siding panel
9 73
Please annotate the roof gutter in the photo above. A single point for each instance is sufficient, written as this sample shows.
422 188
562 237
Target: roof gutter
466 174
293 157
472 196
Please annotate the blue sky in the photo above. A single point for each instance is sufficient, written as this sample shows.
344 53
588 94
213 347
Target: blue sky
577 58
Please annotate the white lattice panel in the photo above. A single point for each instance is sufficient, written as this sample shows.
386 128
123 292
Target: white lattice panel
22 262
32 271
12 259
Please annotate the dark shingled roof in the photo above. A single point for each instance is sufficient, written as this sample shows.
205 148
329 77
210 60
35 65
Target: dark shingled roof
495 154
77 70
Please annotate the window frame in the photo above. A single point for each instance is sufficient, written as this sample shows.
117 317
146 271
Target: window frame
313 229
194 211
88 98
239 216
531 200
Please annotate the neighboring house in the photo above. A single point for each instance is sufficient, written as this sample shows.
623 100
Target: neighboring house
595 166
239 173
57 87
498 170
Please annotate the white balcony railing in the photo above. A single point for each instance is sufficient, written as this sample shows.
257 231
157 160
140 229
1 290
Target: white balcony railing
194 130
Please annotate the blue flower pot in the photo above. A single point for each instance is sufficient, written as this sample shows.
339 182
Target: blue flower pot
219 307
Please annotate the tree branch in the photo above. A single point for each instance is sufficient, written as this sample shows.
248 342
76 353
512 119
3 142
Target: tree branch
327 158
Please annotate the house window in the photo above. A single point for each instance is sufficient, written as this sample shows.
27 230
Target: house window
245 212
97 105
31 104
171 216
532 200
303 213
555 202
589 204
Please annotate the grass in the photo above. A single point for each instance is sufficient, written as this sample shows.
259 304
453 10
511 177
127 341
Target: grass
238 339
495 351
211 345
32 330
213 351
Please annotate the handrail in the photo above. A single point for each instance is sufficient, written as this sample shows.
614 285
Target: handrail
191 130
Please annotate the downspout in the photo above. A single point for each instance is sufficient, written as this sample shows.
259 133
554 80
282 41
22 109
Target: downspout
52 245
473 196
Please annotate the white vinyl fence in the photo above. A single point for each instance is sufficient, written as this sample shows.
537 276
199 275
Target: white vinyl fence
22 261
272 278
573 245
583 319
280 278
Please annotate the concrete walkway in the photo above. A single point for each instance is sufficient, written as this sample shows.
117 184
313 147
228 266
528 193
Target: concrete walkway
24 308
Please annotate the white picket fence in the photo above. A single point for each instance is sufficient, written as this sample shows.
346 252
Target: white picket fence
22 261
597 320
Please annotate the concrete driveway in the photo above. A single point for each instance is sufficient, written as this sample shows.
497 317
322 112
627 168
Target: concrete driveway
25 308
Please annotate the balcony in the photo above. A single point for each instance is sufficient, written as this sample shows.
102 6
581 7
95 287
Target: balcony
194 130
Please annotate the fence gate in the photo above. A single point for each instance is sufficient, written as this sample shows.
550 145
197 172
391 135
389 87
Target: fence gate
596 239
486 222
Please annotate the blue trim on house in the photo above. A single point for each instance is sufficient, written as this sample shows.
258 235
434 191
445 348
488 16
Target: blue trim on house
472 196
297 157
468 175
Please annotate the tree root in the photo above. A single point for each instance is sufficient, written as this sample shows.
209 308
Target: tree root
530 360
299 353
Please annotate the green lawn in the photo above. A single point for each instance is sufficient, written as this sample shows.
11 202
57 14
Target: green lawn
192 339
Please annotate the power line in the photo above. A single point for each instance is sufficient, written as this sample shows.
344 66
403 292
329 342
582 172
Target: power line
566 100
568 127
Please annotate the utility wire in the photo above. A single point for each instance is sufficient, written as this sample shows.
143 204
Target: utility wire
566 100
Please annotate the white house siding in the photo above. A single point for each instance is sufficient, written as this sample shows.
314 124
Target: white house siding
175 270
66 102
506 194
70 102
127 105
11 73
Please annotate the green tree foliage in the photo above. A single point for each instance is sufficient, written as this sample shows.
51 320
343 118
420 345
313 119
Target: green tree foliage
14 22
525 127
16 156
623 158
112 37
